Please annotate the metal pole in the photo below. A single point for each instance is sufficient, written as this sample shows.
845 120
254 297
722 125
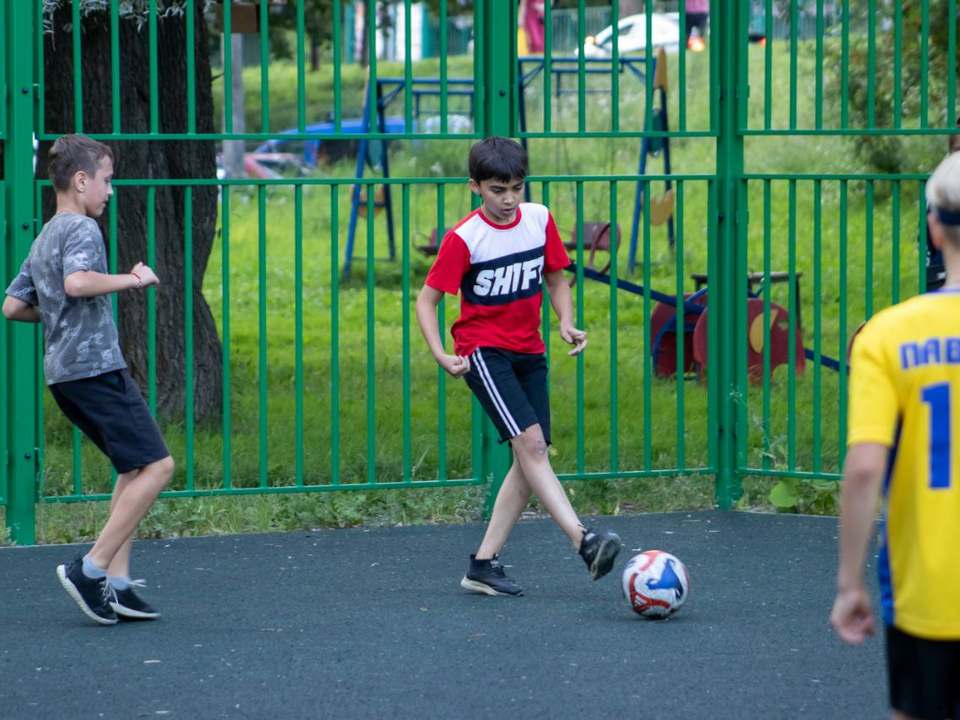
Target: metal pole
495 86
21 380
723 288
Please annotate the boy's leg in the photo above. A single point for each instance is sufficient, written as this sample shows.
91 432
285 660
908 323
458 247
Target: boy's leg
131 505
120 565
530 451
510 503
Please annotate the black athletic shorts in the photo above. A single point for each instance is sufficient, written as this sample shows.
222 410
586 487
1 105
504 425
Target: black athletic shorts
512 387
110 410
924 675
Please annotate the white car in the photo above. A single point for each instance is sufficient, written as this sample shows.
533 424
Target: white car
633 35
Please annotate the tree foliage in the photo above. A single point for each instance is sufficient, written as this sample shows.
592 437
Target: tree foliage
891 153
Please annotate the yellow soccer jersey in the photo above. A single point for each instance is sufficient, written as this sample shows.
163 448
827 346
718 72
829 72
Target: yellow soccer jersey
905 393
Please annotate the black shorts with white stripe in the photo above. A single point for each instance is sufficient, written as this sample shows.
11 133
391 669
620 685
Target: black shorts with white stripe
512 388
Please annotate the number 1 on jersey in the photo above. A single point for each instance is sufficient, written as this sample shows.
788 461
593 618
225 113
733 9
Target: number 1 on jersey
938 398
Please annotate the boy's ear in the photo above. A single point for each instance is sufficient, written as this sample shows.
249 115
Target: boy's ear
474 186
936 232
79 181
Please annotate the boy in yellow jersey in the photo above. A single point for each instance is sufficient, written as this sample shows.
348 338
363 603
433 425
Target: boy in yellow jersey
904 428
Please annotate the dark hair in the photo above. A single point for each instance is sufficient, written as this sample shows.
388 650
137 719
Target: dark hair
498 157
72 153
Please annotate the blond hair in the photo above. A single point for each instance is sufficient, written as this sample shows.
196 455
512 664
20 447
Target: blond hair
943 196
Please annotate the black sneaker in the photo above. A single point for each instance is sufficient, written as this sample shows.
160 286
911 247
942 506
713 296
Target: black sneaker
92 595
599 550
130 606
488 577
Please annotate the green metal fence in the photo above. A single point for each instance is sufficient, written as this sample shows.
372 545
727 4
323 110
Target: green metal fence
325 382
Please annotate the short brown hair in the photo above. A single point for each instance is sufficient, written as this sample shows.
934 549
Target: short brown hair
72 153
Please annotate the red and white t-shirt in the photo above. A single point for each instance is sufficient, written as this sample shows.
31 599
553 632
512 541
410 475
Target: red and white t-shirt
499 271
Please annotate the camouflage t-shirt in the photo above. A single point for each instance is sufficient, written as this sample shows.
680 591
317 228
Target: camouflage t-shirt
80 334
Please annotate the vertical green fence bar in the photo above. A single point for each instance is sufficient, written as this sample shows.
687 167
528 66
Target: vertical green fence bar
615 79
191 64
152 301
868 253
443 70
614 329
441 373
225 303
647 339
871 63
21 378
154 80
844 66
922 240
188 333
766 323
581 68
264 67
335 334
406 297
768 66
951 67
925 59
407 69
5 274
262 327
371 337
682 62
742 297
723 332
227 72
77 68
548 65
579 311
897 63
337 62
114 65
545 308
301 72
792 331
842 346
819 70
681 359
649 73
895 243
817 326
794 24
298 330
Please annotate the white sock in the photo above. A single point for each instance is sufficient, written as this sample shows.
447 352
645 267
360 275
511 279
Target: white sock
118 582
91 570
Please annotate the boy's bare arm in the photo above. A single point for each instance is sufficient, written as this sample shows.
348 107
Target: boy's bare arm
86 283
20 310
862 478
562 301
427 302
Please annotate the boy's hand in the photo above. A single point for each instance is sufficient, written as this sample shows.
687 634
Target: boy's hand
456 365
851 616
572 336
146 275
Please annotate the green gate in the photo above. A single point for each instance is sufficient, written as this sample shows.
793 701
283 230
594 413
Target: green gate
321 380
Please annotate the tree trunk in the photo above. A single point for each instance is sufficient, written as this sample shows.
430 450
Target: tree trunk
149 159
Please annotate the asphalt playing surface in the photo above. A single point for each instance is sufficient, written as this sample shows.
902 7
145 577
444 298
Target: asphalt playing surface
373 623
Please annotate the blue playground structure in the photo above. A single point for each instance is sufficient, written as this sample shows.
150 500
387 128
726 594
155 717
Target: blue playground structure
529 67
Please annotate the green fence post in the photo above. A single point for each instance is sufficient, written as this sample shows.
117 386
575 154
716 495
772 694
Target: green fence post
494 84
723 288
21 380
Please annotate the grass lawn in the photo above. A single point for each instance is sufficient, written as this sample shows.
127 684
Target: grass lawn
654 425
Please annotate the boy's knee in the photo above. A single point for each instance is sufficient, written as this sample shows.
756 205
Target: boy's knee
531 444
165 467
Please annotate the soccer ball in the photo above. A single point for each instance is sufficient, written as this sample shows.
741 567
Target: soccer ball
655 584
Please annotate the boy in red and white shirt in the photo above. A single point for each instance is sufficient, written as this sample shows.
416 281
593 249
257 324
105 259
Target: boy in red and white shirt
498 258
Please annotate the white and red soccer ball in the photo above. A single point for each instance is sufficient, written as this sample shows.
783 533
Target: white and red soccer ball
655 584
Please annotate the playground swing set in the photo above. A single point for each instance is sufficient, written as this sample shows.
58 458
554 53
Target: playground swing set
665 324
